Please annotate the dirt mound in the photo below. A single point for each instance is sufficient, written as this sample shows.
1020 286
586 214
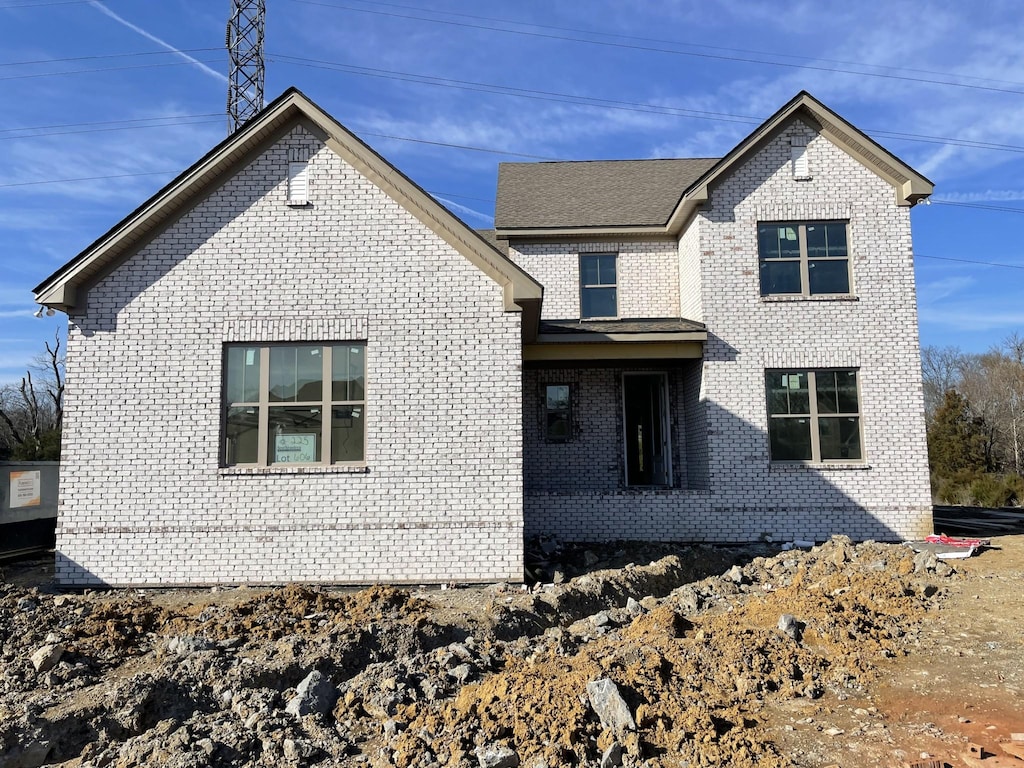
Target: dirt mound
691 657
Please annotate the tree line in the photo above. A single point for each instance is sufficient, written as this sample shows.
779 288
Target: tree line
32 411
974 406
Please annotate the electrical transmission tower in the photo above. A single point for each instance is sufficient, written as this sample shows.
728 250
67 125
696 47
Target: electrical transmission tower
244 41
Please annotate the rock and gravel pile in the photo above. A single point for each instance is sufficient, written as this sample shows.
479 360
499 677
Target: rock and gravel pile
632 665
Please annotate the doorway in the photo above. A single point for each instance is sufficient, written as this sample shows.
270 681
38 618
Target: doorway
646 421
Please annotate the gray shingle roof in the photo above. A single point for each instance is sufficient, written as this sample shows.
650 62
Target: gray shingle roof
599 193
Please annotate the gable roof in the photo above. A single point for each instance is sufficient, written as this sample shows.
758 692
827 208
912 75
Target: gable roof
599 193
659 196
65 288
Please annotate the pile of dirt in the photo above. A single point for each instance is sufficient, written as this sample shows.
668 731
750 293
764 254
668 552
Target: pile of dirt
686 659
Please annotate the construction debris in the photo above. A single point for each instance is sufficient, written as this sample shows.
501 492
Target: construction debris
691 657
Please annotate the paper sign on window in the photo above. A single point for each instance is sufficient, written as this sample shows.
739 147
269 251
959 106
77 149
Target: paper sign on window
295 448
25 489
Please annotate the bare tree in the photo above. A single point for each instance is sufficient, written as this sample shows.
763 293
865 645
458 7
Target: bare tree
32 412
942 370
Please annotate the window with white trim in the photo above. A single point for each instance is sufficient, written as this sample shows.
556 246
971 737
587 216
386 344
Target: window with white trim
294 404
598 290
814 415
803 258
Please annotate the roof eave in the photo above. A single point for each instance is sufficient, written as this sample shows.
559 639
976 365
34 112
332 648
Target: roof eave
910 186
61 290
544 233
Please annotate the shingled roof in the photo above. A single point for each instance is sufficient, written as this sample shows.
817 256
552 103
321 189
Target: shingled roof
598 193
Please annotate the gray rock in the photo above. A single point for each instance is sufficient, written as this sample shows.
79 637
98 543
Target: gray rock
925 561
461 673
183 645
315 694
27 604
30 755
633 608
790 626
612 757
600 619
688 599
735 574
496 756
609 705
46 657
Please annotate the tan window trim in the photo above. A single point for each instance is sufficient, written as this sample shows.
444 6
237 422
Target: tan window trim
263 405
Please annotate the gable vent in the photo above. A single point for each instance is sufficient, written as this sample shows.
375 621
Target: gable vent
298 183
798 156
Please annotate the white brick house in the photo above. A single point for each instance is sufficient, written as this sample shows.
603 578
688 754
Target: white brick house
293 364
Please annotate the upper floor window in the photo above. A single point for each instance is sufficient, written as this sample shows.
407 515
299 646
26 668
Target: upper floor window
294 404
598 292
803 258
814 415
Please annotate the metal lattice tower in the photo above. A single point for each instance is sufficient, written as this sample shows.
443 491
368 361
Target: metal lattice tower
244 41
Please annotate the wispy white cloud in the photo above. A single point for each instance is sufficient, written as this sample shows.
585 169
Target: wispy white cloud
967 317
937 290
982 196
466 210
162 43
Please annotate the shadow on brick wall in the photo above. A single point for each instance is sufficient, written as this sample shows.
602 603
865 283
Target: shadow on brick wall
747 498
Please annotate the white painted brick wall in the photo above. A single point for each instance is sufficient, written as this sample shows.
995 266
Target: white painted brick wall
747 497
645 275
143 500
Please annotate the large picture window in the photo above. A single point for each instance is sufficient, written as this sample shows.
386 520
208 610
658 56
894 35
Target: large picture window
294 404
803 258
814 416
598 289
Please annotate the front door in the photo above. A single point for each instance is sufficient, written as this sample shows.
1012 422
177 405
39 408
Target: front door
645 415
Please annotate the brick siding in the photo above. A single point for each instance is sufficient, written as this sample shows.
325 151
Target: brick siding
143 498
732 492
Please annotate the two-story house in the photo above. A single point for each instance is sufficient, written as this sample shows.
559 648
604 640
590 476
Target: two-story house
292 363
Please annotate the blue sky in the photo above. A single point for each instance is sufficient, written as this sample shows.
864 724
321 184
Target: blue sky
94 90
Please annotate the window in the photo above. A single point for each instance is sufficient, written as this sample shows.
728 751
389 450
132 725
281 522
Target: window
805 259
294 404
557 413
813 416
597 285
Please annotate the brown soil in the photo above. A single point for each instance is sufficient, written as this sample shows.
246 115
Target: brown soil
895 656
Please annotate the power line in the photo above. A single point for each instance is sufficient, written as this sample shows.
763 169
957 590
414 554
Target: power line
593 101
87 178
981 206
103 56
42 5
674 52
456 146
971 261
109 69
684 43
105 122
508 90
105 130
